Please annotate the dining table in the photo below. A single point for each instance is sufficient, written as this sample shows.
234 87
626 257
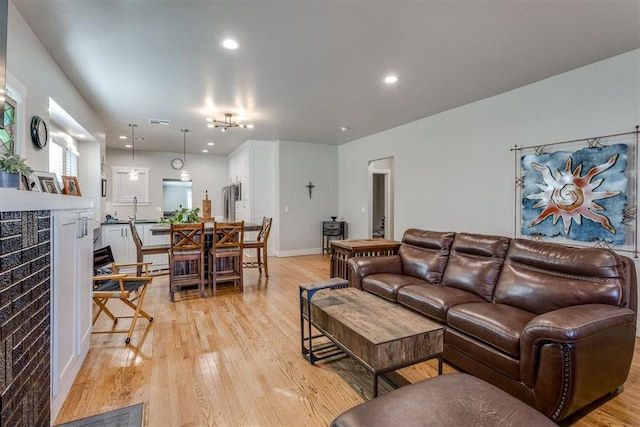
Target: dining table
165 228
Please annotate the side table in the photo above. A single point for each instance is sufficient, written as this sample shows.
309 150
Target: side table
305 316
331 230
342 250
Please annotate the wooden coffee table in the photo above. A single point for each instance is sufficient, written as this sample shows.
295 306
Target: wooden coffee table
378 334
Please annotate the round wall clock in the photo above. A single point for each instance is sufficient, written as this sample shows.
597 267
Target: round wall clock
39 133
177 163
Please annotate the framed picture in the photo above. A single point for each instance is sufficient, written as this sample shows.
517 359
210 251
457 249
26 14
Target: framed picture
46 182
104 187
24 183
71 186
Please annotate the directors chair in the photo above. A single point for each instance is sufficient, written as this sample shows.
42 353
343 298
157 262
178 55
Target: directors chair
109 284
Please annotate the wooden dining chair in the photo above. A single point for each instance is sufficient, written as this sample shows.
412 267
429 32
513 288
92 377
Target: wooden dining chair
260 245
225 263
186 257
141 249
110 284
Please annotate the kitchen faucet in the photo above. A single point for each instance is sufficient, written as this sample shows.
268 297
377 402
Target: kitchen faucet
135 208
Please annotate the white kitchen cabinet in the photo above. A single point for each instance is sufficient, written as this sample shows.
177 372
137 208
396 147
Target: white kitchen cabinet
71 303
118 236
253 164
160 261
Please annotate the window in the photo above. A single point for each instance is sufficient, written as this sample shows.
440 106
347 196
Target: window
62 161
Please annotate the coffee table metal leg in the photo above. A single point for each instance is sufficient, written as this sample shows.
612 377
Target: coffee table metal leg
307 351
302 348
375 385
311 357
440 365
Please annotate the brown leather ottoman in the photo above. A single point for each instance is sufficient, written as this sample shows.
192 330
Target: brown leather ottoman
446 400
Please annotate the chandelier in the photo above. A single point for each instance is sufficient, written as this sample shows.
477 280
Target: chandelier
227 123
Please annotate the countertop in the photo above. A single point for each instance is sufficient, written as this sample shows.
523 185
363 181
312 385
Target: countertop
126 221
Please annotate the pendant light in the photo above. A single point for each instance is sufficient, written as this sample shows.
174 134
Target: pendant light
184 175
133 174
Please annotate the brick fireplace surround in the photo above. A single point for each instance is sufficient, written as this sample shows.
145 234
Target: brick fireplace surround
25 311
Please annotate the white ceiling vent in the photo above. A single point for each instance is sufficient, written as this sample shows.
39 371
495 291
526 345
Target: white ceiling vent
160 122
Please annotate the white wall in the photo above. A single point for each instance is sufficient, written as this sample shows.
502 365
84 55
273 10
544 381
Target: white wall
207 173
32 66
300 229
455 170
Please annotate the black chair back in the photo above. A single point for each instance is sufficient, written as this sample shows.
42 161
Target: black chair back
102 257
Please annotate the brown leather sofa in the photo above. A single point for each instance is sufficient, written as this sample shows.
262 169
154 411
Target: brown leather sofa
552 325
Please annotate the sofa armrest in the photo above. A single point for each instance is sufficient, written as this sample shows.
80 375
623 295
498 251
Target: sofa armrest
601 325
360 267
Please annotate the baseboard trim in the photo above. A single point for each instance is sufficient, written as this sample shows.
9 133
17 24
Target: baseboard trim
299 252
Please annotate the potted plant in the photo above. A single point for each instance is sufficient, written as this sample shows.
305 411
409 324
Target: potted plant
184 216
11 166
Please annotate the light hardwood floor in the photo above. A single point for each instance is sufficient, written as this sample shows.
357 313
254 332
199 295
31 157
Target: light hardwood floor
234 360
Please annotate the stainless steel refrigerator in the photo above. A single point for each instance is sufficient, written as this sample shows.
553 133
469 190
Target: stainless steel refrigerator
230 195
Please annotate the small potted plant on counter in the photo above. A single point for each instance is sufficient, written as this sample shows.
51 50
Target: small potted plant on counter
11 167
184 216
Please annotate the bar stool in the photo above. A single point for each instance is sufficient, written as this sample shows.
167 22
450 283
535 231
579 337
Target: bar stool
225 263
142 250
260 245
186 257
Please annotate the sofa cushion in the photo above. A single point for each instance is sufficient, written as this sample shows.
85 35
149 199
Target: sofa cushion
498 325
559 277
457 342
474 263
434 300
387 285
424 253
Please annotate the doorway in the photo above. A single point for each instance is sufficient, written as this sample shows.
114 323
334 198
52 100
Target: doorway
176 194
381 198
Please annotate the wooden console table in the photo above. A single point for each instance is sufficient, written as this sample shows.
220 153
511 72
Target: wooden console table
342 250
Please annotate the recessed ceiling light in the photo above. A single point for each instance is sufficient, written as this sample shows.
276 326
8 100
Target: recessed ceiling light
210 125
344 128
211 143
205 151
209 119
122 137
128 146
229 44
391 79
250 126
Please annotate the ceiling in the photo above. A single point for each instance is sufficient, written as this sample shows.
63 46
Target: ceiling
306 68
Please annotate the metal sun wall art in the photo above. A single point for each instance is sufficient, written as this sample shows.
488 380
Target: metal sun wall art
581 192
580 195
